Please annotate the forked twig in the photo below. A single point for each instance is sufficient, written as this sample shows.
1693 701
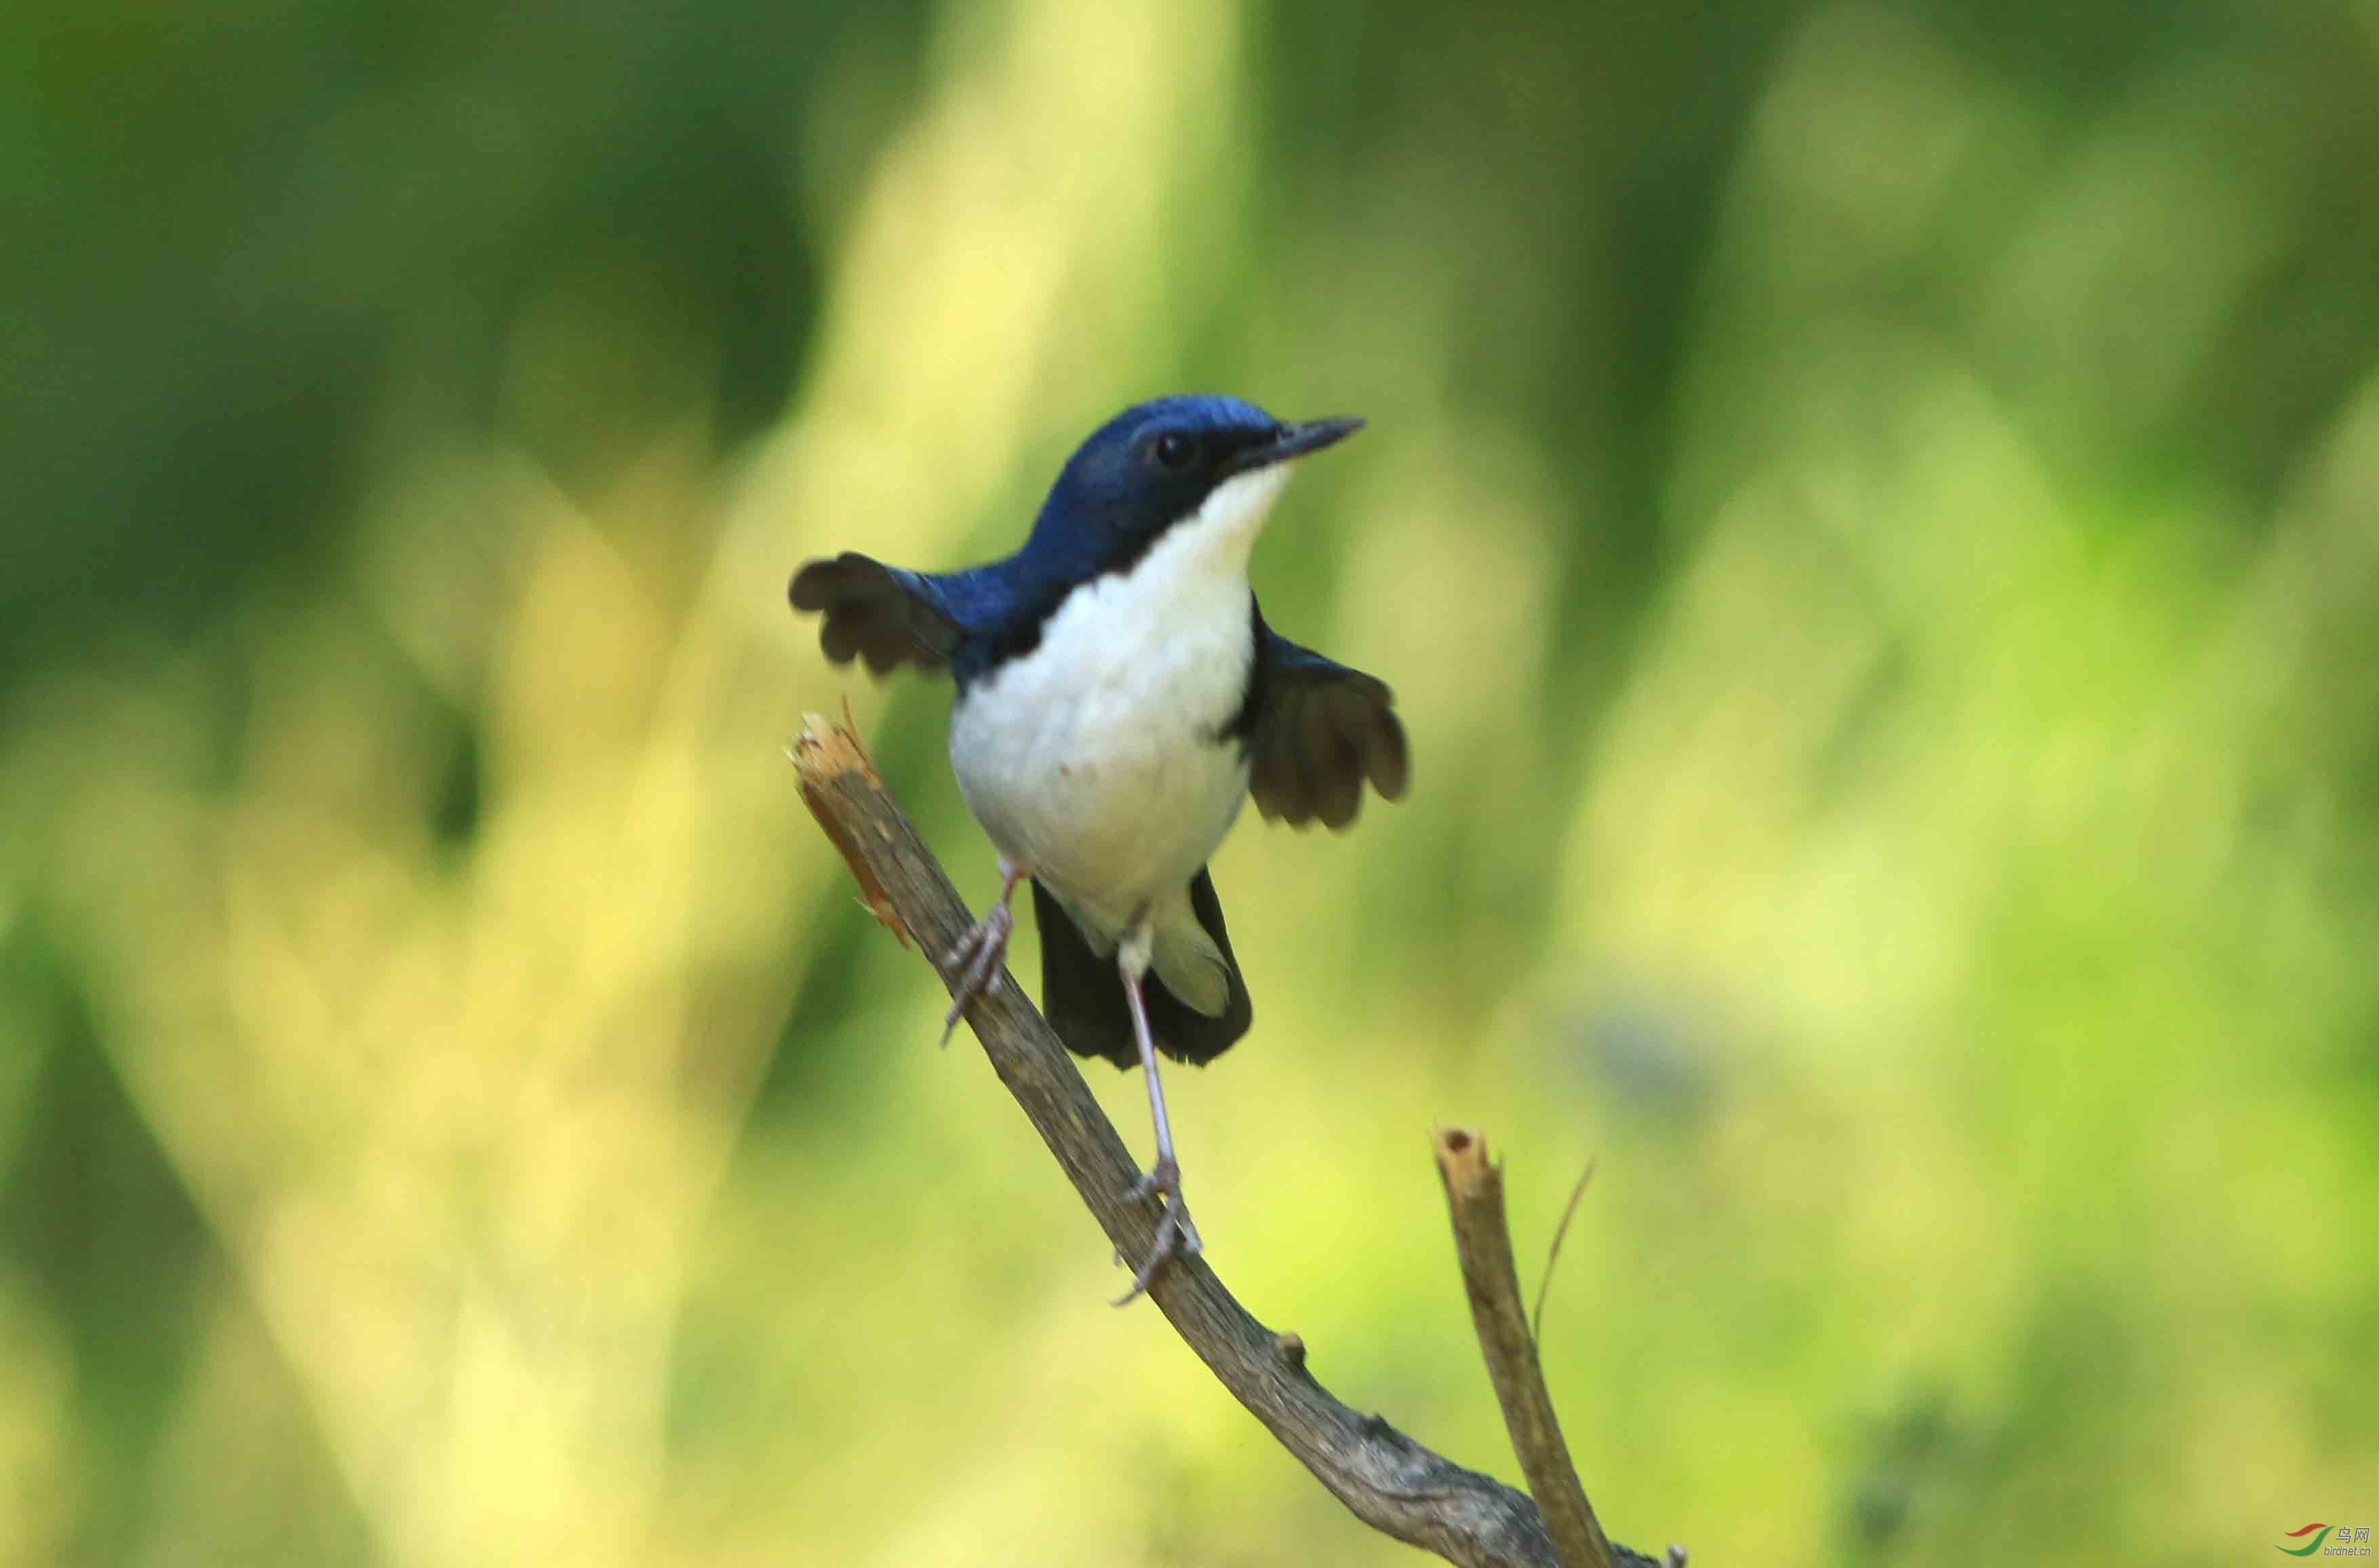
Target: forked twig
1552 1253
1474 1194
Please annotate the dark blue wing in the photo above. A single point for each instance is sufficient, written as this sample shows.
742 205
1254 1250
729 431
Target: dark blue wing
1315 730
890 617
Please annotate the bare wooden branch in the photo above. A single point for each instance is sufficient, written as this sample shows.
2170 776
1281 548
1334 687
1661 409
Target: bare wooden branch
1474 1193
1389 1482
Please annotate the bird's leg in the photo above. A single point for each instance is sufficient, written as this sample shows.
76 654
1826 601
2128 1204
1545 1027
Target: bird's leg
980 952
1175 1234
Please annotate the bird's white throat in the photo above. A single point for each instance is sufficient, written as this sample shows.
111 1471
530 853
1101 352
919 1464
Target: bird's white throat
1221 535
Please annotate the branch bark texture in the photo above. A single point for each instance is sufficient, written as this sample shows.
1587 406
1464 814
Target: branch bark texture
1389 1482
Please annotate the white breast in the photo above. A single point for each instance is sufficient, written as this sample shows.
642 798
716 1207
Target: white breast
1097 760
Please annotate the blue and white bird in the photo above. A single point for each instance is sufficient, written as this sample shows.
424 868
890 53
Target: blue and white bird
1119 696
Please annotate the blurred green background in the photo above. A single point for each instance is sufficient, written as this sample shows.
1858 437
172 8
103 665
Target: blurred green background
1872 514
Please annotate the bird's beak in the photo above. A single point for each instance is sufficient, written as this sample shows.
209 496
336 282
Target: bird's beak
1295 441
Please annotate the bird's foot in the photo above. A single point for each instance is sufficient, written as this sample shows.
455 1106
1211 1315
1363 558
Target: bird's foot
1176 1235
977 958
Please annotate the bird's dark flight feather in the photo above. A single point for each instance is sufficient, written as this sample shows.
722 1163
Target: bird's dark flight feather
879 613
1083 996
1314 731
967 623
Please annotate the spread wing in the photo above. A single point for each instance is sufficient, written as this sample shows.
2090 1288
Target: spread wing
886 615
1315 730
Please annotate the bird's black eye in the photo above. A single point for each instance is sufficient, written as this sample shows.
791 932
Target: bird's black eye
1175 451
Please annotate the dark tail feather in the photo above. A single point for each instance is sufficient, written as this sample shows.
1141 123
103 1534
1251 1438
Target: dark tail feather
1082 994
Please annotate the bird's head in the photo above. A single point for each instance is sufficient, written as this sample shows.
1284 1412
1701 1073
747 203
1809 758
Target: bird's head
1213 465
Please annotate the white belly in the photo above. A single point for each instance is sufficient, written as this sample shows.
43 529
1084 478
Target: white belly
1097 760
